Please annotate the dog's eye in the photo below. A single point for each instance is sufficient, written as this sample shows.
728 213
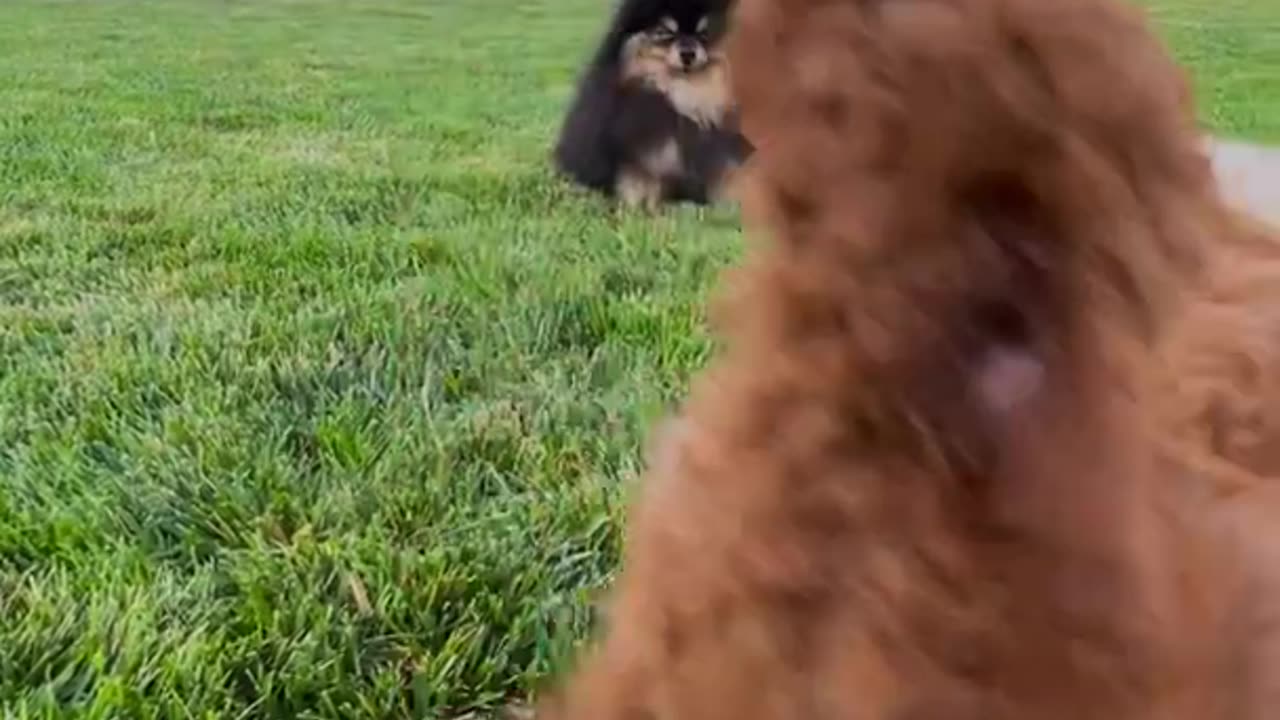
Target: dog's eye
663 35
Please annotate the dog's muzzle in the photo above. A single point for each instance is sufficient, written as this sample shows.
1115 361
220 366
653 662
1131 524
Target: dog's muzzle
690 54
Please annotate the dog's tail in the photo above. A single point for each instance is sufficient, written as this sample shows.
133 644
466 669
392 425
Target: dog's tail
943 180
583 150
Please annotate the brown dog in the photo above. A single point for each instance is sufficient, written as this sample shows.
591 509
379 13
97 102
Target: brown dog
976 448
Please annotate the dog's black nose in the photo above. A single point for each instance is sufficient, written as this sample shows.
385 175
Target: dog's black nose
687 56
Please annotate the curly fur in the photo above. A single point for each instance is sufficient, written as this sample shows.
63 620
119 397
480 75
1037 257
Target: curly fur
984 438
1221 365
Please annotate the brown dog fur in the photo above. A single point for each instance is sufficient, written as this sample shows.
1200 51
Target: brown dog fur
984 438
1222 365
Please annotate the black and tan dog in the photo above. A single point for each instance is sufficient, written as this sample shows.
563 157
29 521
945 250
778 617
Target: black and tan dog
653 120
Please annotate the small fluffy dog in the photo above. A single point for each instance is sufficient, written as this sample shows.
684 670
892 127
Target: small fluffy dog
988 436
653 120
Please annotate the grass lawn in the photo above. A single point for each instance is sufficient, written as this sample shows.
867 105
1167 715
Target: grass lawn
318 394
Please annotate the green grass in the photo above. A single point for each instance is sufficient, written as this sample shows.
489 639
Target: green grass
1232 48
318 394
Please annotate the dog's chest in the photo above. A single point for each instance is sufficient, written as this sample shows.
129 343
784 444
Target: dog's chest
703 98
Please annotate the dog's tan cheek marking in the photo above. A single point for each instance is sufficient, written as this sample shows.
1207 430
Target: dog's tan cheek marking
672 58
644 62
